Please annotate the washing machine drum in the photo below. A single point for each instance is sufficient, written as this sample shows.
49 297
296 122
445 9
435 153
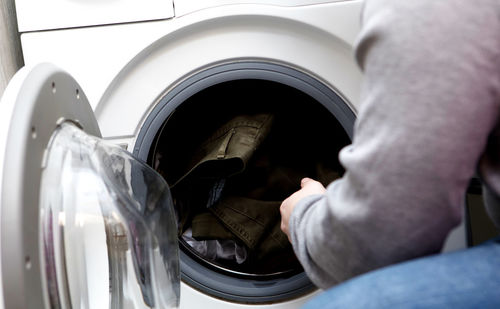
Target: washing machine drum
229 173
84 224
231 153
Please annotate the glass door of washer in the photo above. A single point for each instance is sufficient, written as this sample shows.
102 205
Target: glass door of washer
84 224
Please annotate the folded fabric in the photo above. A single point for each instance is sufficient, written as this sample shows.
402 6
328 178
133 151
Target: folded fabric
248 219
225 153
234 143
206 226
269 243
254 223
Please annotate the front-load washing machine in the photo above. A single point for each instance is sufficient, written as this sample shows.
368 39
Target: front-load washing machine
84 224
155 78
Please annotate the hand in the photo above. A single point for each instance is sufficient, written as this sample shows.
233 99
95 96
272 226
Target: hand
308 187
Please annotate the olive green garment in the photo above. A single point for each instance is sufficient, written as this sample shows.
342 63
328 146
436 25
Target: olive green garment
206 226
250 220
225 153
229 148
253 222
241 180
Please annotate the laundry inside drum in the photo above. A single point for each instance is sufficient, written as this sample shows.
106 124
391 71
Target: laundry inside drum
231 154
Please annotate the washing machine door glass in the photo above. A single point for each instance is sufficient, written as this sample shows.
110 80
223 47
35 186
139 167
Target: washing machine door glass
108 227
83 223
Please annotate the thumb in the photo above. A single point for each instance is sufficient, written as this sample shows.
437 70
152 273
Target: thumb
305 181
312 186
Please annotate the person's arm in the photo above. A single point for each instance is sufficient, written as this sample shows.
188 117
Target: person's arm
430 98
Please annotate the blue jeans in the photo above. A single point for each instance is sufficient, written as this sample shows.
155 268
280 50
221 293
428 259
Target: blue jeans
463 279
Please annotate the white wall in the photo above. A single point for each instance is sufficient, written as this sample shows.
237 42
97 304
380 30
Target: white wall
10 46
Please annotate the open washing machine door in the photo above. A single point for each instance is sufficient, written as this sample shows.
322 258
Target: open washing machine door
83 223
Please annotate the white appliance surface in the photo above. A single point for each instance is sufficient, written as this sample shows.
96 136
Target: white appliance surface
36 15
125 66
188 6
316 39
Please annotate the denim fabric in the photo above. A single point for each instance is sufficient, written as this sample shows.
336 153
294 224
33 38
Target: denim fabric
463 279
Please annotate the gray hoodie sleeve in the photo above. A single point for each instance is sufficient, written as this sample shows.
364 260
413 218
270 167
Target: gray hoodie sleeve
430 98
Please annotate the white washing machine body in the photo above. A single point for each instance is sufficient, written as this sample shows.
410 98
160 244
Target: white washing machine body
136 67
